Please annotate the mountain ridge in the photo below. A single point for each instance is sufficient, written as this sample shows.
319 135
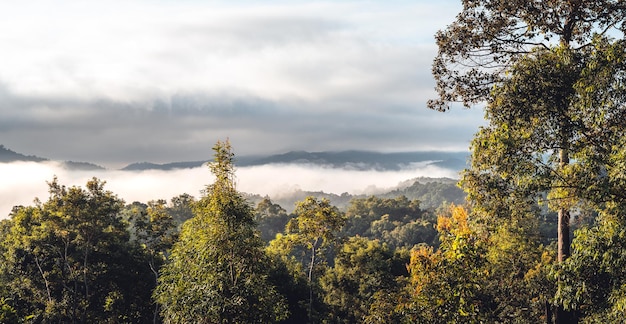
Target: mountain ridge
7 156
348 159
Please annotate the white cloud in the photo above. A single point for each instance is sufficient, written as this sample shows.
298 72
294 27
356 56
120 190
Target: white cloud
282 178
25 181
127 50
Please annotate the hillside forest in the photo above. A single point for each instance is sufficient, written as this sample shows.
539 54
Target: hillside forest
540 237
85 256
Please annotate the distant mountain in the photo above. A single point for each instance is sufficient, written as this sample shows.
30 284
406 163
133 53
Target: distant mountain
368 160
81 166
453 163
357 160
141 166
168 166
7 155
354 160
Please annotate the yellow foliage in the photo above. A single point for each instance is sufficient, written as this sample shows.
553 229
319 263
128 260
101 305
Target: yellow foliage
423 260
456 223
540 268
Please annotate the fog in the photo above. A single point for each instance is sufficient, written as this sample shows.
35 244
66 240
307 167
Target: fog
24 181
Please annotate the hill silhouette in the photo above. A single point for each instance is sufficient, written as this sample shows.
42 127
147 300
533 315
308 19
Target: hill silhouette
7 156
355 160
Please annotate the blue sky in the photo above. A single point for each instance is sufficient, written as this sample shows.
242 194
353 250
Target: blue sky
114 82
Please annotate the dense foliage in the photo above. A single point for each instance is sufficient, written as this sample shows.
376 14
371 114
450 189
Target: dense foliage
217 271
71 259
83 256
552 155
551 73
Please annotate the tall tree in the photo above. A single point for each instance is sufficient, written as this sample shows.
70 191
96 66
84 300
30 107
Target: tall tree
489 37
519 155
218 270
553 98
592 280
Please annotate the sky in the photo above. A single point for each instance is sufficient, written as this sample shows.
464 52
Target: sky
116 82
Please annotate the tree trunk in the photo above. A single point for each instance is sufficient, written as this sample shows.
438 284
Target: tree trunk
311 280
45 280
563 316
563 242
155 314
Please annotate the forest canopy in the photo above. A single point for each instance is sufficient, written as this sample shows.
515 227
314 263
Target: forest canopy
539 237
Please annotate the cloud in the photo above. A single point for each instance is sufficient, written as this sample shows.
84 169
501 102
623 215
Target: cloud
127 50
118 82
25 181
185 126
278 179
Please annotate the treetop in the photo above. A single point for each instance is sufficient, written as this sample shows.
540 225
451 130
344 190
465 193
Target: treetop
488 36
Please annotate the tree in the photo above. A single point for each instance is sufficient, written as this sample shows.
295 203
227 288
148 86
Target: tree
530 119
363 270
311 234
315 227
552 100
271 219
218 271
287 273
156 231
477 275
489 36
445 285
396 221
181 208
591 281
71 260
486 47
